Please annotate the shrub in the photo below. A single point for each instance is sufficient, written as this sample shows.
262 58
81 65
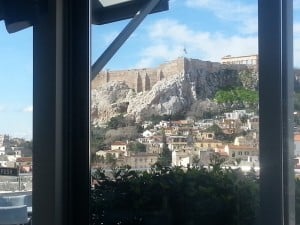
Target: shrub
175 196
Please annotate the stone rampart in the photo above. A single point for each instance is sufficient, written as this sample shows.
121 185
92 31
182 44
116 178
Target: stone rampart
143 79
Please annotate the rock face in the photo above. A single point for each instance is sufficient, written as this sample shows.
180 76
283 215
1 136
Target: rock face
172 94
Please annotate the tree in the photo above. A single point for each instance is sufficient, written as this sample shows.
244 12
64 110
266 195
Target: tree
136 147
111 159
196 160
162 195
165 158
219 134
240 97
97 139
244 118
297 101
121 134
26 144
116 122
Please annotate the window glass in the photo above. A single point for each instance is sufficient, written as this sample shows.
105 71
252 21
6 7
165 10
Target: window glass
297 105
182 94
15 112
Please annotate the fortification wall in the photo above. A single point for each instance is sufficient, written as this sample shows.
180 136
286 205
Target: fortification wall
173 67
210 67
137 79
144 79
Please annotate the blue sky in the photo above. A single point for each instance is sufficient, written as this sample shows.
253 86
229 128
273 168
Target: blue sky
207 29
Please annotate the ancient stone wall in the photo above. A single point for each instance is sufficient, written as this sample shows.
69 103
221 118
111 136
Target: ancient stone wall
137 79
143 79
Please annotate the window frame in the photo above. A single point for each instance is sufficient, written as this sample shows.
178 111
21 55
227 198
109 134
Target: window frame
277 188
61 114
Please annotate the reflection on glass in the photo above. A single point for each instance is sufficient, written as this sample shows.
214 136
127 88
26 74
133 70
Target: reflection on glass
174 135
297 106
15 125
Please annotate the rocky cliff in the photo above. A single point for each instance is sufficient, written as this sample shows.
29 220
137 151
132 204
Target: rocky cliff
173 94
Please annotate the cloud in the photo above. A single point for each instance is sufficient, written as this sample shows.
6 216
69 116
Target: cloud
231 10
158 52
296 4
169 38
28 109
296 29
2 108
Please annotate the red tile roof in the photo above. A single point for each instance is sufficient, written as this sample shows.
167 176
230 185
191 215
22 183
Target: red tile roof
119 143
24 159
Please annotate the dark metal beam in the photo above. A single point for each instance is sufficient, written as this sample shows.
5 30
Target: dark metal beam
17 14
61 117
122 37
102 15
276 107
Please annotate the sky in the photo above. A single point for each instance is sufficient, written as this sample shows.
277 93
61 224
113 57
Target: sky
200 29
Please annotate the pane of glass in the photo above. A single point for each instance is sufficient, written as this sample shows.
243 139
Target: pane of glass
297 105
16 117
174 133
106 3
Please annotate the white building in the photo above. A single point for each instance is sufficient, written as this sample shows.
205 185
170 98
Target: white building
2 150
181 158
147 133
235 115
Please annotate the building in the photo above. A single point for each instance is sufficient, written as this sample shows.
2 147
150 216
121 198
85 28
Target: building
297 144
177 142
115 153
24 163
235 115
181 158
208 144
141 160
241 151
250 60
120 145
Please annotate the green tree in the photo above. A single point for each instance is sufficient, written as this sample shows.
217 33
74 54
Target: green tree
117 122
238 96
219 134
26 144
163 195
297 101
297 190
165 158
97 139
121 134
111 159
136 147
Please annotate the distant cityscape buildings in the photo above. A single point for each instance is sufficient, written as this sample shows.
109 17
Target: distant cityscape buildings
188 140
190 143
